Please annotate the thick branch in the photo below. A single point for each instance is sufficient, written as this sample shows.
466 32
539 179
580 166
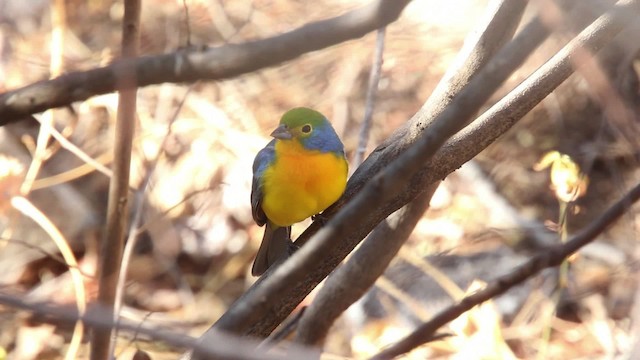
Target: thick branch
350 281
195 64
273 297
353 279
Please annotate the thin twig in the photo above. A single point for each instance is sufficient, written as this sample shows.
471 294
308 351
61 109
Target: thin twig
441 278
145 226
372 89
74 149
74 173
139 202
118 206
135 333
553 256
54 257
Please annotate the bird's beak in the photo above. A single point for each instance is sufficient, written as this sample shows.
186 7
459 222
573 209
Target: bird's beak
282 133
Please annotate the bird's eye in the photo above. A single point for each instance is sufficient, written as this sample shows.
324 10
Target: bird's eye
306 129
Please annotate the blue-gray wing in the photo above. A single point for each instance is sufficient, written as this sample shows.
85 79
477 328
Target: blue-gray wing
264 158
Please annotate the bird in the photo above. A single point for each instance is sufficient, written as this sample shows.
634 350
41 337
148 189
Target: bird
298 174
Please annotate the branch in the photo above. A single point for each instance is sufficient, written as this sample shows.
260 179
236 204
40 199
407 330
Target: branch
137 210
195 64
221 346
118 206
271 299
353 279
350 281
553 256
372 89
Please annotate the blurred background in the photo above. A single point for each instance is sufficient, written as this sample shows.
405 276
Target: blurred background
191 180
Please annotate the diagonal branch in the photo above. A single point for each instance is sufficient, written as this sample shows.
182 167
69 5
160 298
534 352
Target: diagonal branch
271 299
195 64
550 257
350 281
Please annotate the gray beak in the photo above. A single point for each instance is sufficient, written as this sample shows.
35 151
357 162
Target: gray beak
282 133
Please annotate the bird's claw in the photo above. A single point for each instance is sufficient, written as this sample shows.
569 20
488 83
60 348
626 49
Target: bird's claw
320 218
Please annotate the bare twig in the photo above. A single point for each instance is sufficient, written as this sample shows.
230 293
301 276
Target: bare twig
195 64
272 298
118 208
221 346
74 149
550 257
150 166
372 89
145 226
350 281
54 257
439 277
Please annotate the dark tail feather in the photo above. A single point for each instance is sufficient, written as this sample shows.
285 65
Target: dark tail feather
275 243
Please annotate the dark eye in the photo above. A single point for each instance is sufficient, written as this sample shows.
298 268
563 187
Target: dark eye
306 129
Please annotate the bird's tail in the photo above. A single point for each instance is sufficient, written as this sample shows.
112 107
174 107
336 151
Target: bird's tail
275 243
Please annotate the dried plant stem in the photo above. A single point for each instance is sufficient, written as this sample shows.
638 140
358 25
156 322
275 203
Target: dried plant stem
74 173
27 208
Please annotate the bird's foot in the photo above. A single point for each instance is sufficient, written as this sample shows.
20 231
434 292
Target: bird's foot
320 218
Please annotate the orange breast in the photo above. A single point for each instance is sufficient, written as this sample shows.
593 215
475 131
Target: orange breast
301 183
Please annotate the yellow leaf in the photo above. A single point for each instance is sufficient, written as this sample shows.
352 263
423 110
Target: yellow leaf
567 181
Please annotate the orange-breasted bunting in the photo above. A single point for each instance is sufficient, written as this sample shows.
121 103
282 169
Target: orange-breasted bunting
300 173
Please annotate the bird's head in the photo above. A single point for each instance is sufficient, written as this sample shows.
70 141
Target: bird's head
310 128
